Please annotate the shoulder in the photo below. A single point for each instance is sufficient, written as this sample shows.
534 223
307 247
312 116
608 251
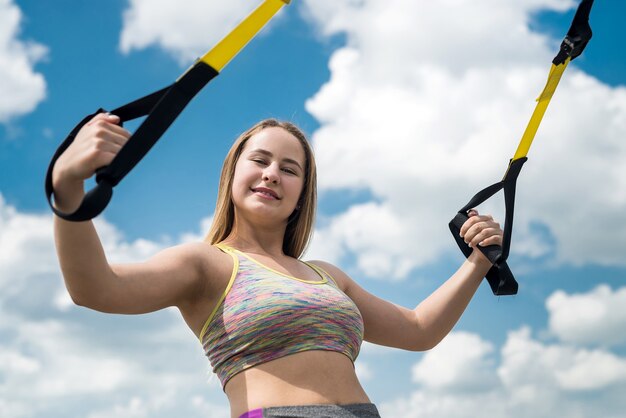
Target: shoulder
203 266
207 258
200 260
191 254
340 277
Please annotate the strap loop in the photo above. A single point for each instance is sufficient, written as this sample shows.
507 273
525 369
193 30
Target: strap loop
577 36
162 108
499 276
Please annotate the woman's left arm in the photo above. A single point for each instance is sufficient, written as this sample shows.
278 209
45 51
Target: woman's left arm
425 326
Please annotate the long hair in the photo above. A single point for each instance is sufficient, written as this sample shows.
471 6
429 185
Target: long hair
300 224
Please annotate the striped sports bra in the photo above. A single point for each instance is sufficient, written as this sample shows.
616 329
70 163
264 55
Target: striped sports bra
264 315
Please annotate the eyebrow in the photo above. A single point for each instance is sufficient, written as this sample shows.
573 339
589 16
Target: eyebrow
269 154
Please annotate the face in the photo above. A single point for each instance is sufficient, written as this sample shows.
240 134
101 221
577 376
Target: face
269 176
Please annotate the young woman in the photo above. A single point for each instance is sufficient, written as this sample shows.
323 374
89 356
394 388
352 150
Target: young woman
281 334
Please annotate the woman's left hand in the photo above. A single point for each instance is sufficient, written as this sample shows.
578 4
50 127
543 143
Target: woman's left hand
481 230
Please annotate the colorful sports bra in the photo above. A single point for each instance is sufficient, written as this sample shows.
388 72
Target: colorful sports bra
264 315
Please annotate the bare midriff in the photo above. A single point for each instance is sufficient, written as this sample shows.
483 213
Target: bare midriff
306 378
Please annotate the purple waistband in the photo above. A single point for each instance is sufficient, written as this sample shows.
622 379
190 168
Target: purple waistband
255 413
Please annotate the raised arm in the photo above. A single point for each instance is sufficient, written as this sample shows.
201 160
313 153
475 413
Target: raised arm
169 278
439 312
425 326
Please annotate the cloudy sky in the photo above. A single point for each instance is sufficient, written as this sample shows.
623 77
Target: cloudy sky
412 106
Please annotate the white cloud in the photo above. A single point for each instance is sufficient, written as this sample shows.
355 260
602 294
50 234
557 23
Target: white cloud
461 361
21 88
205 226
28 237
424 107
363 229
589 318
186 29
164 405
23 237
532 378
135 408
56 357
66 365
534 367
422 404
364 371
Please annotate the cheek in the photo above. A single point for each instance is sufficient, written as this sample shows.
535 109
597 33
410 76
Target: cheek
296 186
243 173
239 183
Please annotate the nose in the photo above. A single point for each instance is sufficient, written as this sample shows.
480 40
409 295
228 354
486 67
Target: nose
270 174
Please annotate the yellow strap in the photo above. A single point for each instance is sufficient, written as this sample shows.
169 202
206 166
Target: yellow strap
227 48
542 104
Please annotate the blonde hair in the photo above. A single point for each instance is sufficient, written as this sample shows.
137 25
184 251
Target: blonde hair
300 225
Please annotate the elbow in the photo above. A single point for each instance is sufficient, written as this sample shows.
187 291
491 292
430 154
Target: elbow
423 344
432 343
79 300
83 300
90 297
425 337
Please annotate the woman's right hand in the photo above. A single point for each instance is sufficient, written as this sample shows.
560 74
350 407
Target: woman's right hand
95 146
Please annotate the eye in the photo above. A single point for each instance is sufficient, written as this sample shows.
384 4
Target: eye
259 161
290 171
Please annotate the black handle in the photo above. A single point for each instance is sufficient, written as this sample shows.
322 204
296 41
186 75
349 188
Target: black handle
492 252
162 108
96 199
499 277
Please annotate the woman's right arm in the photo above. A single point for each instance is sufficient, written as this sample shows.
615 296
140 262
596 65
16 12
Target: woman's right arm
170 278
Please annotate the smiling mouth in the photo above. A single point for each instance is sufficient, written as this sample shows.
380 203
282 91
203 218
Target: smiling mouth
266 192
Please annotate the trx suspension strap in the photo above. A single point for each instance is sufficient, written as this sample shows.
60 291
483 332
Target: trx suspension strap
499 276
162 108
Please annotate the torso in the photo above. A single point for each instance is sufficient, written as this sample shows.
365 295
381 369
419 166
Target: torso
310 377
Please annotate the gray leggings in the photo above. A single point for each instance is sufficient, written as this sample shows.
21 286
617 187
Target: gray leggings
356 410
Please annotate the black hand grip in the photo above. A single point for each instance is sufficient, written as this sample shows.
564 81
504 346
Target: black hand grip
93 204
492 252
501 280
499 277
96 199
162 108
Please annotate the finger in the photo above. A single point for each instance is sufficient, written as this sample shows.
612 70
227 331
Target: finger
487 236
472 214
110 143
103 159
116 138
110 125
472 221
103 116
492 240
102 130
114 125
475 230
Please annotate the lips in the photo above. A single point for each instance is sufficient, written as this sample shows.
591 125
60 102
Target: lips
267 192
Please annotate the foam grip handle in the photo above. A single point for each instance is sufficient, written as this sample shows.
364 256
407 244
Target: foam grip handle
501 280
492 252
500 277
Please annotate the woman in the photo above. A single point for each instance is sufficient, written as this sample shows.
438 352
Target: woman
282 335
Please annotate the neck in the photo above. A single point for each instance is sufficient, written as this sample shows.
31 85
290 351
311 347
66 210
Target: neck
260 239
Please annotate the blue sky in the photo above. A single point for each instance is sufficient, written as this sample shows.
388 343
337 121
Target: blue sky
411 108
